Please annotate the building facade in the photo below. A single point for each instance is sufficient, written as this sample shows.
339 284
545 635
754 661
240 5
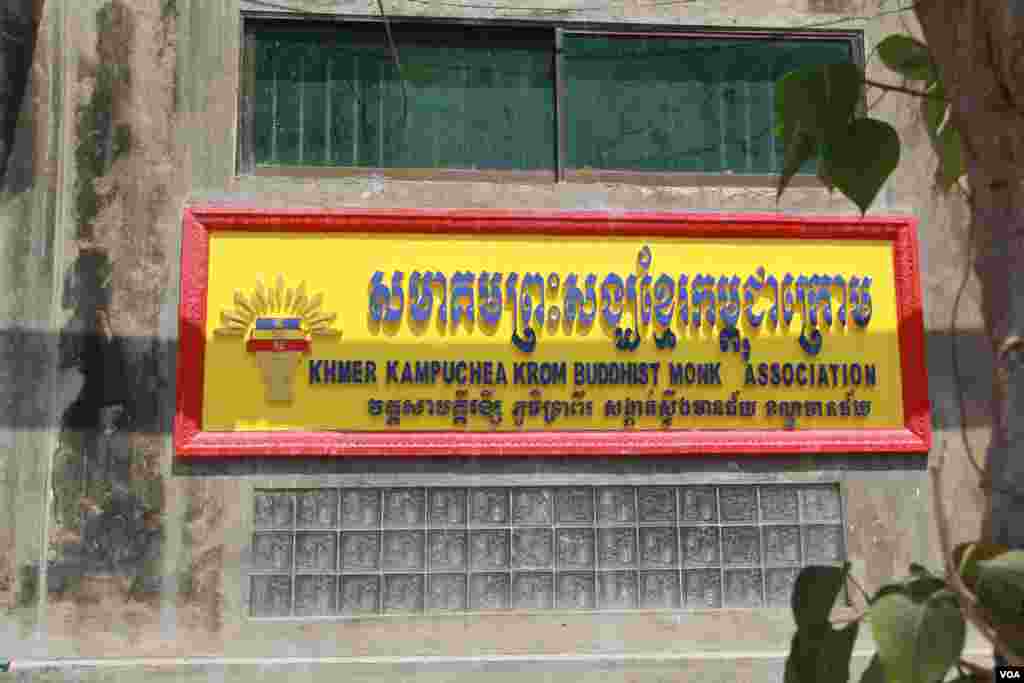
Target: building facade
128 558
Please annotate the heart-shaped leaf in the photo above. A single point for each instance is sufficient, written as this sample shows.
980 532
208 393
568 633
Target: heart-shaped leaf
907 57
862 159
815 592
918 639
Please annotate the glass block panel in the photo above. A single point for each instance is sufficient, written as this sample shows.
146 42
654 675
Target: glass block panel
447 592
575 548
701 546
360 594
273 510
403 592
533 591
617 548
272 552
447 550
659 590
779 586
782 544
316 595
616 505
575 505
703 588
360 550
743 588
617 590
698 504
532 548
317 509
779 504
739 503
447 507
403 550
488 591
489 506
489 549
470 98
532 506
741 545
657 504
658 547
575 591
271 596
316 551
360 508
643 103
404 507
823 543
820 504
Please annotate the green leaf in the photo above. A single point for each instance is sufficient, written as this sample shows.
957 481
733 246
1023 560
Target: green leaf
844 85
874 673
862 159
933 108
821 653
800 147
907 57
919 638
966 557
815 592
1000 585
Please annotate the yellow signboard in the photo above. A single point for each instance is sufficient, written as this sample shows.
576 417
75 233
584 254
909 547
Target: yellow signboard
365 332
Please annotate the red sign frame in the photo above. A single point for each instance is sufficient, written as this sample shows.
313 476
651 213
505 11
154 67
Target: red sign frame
199 222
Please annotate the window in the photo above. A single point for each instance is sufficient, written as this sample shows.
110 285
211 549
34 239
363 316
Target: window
504 101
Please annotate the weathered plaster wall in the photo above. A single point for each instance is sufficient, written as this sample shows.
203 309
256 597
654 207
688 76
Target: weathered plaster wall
131 115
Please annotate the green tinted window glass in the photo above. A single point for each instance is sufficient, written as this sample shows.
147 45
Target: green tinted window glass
680 104
473 99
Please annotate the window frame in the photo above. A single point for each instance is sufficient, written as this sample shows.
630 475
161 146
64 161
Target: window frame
253 21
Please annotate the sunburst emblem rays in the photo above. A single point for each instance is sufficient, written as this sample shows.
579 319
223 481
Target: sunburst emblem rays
278 301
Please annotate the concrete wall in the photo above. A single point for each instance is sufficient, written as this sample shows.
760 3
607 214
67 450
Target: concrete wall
131 116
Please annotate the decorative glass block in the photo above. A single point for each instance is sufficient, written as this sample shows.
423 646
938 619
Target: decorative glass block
447 592
403 550
779 504
533 591
360 594
447 550
617 590
739 503
575 548
824 543
488 591
699 505
820 504
741 545
316 595
616 505
532 548
617 548
658 547
575 505
703 588
273 510
447 507
403 507
489 506
532 506
488 549
743 588
659 590
403 592
271 596
575 591
657 504
360 509
779 584
700 546
272 552
360 550
317 509
316 551
782 544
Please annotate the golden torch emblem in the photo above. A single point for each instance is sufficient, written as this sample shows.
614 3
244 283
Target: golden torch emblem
278 324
